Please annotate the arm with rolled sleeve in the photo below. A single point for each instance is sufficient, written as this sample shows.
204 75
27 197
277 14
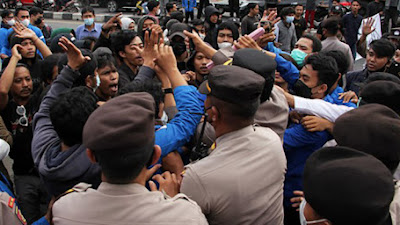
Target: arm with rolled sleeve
319 108
180 129
287 70
44 135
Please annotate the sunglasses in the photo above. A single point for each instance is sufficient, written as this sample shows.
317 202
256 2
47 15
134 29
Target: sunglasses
23 120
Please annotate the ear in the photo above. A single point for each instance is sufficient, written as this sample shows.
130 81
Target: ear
215 114
122 54
88 81
322 88
156 154
91 156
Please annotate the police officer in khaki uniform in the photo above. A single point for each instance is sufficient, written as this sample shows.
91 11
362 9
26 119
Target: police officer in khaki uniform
241 181
120 137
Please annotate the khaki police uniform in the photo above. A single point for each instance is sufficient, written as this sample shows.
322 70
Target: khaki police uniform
241 181
10 213
124 204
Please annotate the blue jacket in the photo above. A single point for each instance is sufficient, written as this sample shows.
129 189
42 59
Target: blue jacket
181 128
5 45
299 144
189 5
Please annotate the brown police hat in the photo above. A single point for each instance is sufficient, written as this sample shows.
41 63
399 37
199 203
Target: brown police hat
125 123
233 84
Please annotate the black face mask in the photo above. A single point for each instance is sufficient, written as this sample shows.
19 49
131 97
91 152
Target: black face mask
394 68
178 47
38 21
301 89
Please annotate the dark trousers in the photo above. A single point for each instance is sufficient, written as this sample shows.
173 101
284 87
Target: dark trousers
203 3
390 14
187 14
32 197
291 216
234 4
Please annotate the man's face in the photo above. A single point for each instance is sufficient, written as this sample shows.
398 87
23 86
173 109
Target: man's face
174 8
28 49
299 10
272 10
201 29
305 45
147 24
355 6
309 76
87 15
214 18
335 3
108 81
22 83
200 64
133 52
35 19
8 18
375 63
225 35
23 15
256 10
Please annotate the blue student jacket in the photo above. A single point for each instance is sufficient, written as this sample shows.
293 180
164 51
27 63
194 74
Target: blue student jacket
189 5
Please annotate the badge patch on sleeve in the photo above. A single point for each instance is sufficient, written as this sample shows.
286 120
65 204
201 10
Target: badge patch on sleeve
11 202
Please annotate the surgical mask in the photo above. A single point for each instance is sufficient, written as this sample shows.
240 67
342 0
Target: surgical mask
38 21
301 89
97 83
26 22
179 48
88 21
298 56
164 119
4 149
202 36
158 12
303 220
224 45
289 19
11 22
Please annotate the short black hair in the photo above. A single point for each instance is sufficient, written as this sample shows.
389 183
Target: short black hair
35 10
229 26
86 70
121 39
104 60
332 25
326 68
149 86
299 5
169 6
152 4
125 166
317 45
5 13
251 6
87 9
286 11
340 58
197 22
18 9
178 15
355 1
48 65
69 113
383 48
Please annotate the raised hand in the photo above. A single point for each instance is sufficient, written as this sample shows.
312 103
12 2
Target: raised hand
247 42
148 53
367 27
24 32
164 57
15 51
112 22
75 58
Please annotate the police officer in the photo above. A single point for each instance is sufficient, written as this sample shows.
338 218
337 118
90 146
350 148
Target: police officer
120 137
241 181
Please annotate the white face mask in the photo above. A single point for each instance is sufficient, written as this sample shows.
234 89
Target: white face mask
11 22
224 45
303 220
202 36
97 83
158 12
163 119
26 22
4 149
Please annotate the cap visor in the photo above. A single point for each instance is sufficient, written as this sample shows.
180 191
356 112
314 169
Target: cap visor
180 34
204 88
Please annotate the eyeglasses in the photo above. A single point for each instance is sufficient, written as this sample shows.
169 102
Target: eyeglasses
23 120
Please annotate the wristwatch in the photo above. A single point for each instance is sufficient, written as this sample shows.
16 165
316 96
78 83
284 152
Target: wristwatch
168 91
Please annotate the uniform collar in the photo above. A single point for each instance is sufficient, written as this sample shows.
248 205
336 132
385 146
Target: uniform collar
121 189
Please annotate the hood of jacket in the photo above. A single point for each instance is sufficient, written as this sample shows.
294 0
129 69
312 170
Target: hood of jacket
208 11
140 25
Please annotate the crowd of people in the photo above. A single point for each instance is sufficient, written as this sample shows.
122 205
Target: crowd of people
176 120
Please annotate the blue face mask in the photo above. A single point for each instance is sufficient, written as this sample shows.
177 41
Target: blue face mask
298 56
89 21
289 19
